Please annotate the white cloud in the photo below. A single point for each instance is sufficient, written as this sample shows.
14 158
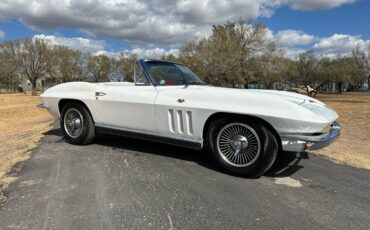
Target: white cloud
82 44
342 44
2 34
98 47
107 53
318 4
153 53
337 44
294 37
269 35
150 22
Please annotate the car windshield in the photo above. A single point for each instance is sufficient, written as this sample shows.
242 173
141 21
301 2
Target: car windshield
167 73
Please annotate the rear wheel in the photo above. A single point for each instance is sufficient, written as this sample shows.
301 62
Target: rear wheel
77 124
243 147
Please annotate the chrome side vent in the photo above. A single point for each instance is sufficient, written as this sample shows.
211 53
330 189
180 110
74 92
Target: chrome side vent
180 121
171 120
189 122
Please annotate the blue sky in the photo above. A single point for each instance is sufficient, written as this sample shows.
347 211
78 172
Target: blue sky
154 27
351 19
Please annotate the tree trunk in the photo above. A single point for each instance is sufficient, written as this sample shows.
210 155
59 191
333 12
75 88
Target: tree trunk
34 88
368 83
268 85
340 87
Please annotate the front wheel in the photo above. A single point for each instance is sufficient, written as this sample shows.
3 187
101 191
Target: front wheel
77 124
243 147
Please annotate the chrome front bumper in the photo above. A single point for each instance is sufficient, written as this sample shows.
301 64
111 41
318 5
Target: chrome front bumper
300 143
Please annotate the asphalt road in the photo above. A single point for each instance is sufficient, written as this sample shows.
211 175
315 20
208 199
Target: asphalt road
121 183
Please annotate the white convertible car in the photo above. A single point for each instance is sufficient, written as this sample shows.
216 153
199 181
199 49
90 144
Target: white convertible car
243 130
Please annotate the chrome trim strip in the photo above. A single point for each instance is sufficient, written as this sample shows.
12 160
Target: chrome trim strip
334 131
146 72
319 141
171 136
293 146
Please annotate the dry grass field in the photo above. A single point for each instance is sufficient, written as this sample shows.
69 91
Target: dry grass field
353 146
21 127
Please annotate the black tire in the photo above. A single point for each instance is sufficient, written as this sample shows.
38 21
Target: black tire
261 161
86 135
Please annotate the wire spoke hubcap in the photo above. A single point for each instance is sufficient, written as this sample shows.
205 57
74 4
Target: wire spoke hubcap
238 144
73 123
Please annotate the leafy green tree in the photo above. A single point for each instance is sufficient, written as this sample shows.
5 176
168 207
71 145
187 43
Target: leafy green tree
225 57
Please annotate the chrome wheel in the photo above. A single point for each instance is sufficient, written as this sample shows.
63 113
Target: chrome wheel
238 144
73 123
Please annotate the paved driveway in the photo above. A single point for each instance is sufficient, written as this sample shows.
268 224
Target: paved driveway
121 183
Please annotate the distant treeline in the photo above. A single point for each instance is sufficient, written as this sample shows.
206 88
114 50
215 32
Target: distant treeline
234 54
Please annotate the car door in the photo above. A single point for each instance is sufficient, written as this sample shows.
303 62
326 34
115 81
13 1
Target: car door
179 114
128 105
176 108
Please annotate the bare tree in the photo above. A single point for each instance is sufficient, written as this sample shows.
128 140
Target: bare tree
117 71
307 66
8 68
99 68
368 68
33 58
128 66
270 66
122 67
69 64
359 65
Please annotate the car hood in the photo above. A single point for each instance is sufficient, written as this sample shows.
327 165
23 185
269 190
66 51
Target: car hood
290 96
260 93
286 111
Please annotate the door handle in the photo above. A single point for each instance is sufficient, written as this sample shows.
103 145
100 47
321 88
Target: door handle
99 94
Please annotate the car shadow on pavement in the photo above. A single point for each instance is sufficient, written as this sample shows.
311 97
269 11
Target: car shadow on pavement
150 147
117 142
286 164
